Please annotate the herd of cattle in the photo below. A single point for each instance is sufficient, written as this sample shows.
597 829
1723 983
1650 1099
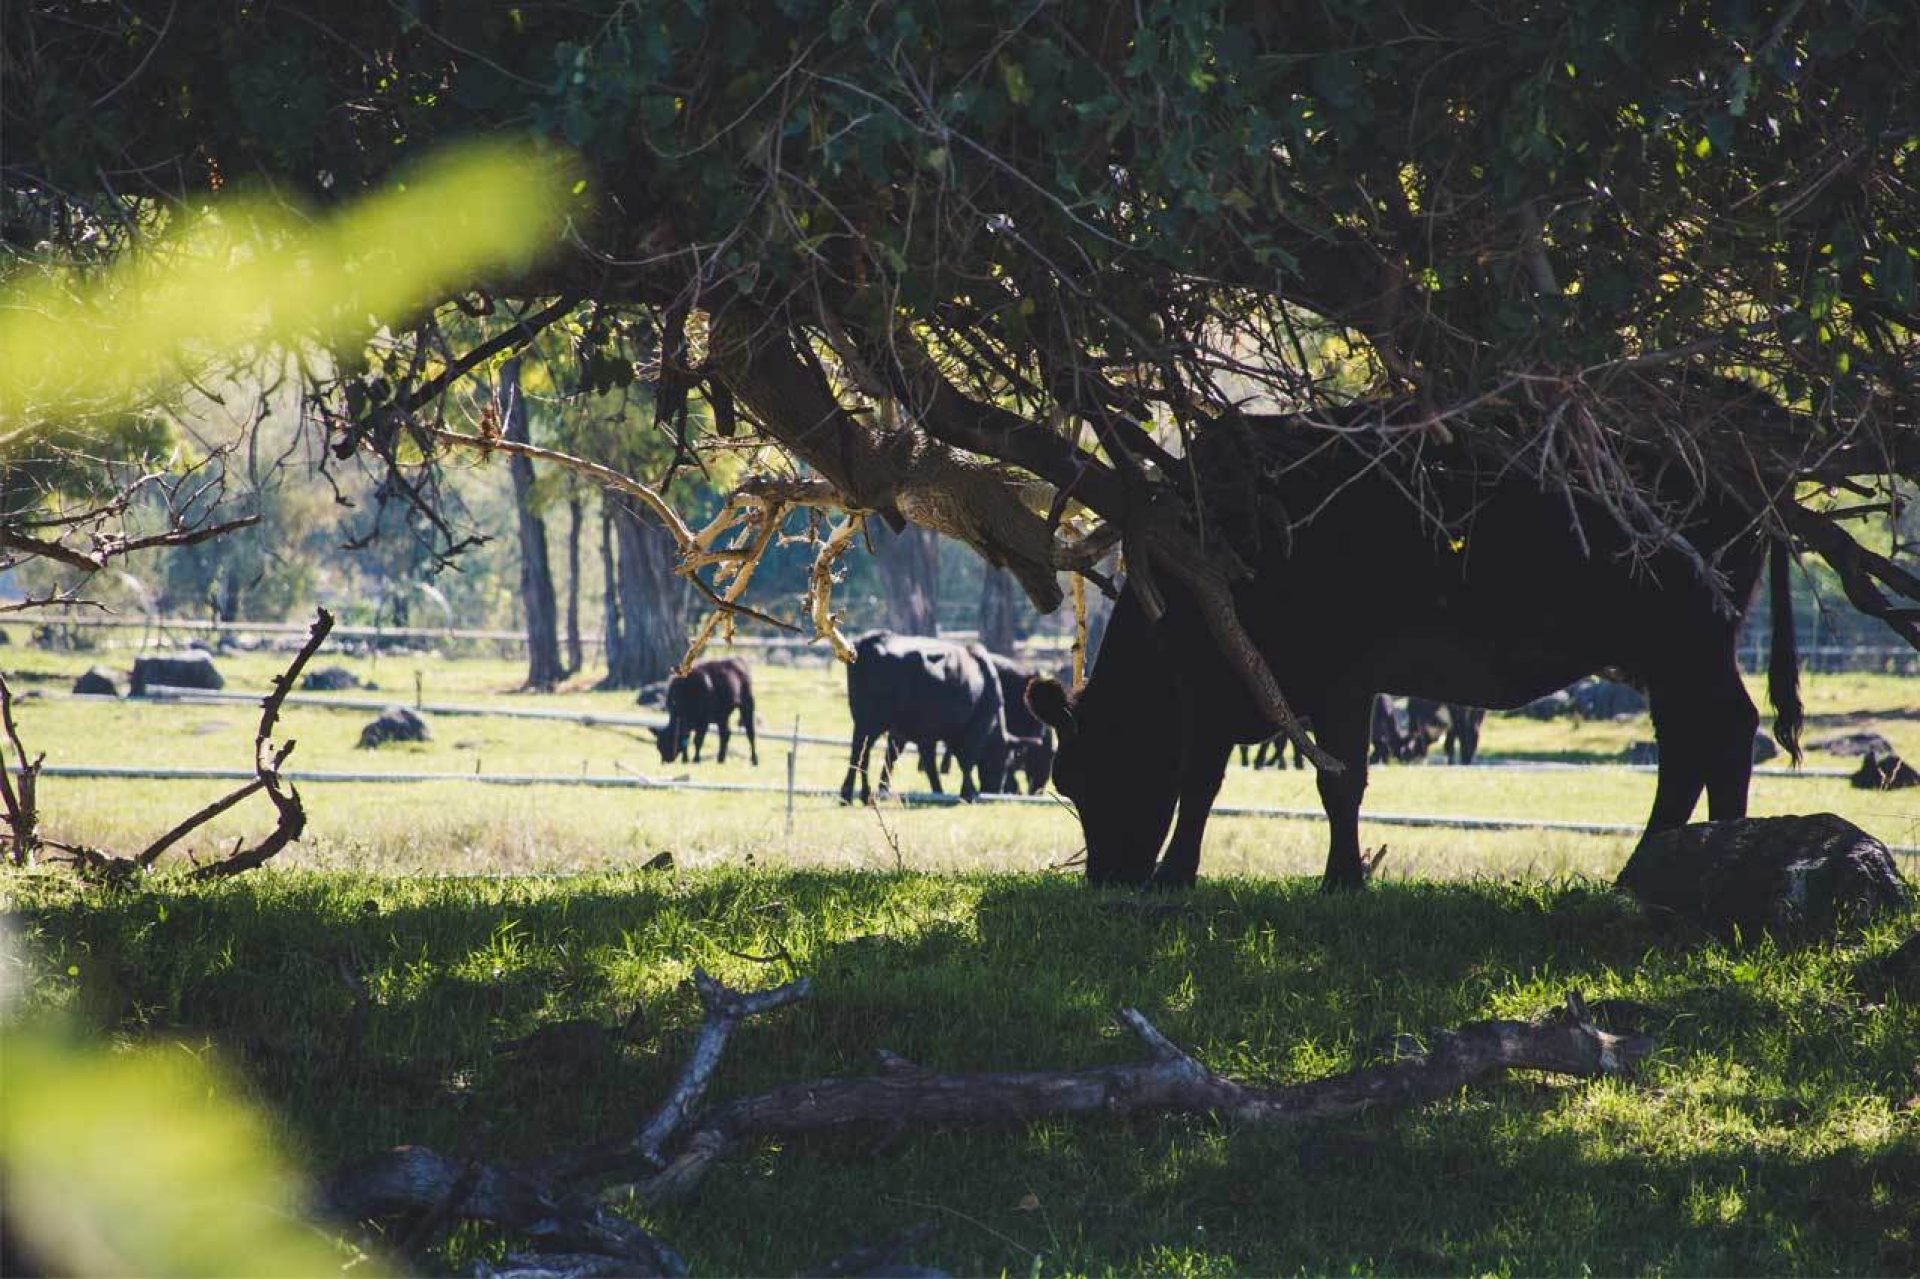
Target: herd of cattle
962 704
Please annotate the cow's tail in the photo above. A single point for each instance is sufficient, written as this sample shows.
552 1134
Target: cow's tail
1783 668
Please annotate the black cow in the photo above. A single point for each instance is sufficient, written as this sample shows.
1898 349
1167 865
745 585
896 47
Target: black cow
1035 750
1429 721
928 692
707 694
1507 603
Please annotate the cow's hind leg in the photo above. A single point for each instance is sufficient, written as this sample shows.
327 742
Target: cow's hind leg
857 765
1344 732
1180 864
746 722
724 732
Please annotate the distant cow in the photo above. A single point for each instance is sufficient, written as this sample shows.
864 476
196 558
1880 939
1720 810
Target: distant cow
191 669
707 694
1482 593
1429 721
929 692
1035 751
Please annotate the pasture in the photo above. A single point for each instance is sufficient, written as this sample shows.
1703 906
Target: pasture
1777 1129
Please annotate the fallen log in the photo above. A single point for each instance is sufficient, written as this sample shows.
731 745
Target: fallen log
554 1202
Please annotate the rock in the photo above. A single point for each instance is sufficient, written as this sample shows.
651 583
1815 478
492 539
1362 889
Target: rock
1552 706
1597 698
395 724
193 668
1885 772
1861 743
1641 753
1764 747
1898 972
330 679
1795 876
654 694
97 682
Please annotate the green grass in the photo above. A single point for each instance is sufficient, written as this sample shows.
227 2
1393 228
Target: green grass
467 828
1777 1130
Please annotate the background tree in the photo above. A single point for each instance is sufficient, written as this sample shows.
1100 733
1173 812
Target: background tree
981 254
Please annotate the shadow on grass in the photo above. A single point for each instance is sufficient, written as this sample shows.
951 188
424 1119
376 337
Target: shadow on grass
1699 1170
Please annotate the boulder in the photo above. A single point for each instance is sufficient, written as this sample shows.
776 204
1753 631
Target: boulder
1798 877
395 724
330 679
1764 747
1552 706
1855 744
97 682
1641 753
1597 698
1885 772
192 669
654 694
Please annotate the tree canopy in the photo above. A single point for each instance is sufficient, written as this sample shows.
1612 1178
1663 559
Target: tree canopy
939 251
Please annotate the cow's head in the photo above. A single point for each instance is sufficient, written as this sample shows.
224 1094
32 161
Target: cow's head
666 740
1120 769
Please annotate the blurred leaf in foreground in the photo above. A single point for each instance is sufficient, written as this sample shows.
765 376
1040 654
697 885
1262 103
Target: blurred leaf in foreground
143 1162
252 272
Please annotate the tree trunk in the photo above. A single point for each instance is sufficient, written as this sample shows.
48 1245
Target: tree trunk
575 508
999 605
653 627
611 641
536 574
910 576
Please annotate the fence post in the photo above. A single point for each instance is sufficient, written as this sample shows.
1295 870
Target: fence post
793 754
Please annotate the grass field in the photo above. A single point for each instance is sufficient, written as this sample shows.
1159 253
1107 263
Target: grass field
1777 1130
468 828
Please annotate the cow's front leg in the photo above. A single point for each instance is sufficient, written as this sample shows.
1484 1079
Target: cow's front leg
1206 767
721 728
1343 734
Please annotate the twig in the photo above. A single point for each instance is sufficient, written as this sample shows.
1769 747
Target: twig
19 790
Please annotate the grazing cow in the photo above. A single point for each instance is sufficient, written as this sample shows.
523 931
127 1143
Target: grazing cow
1428 721
928 692
1507 603
707 694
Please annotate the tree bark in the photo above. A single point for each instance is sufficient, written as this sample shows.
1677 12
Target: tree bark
536 573
611 641
653 625
910 577
575 509
999 606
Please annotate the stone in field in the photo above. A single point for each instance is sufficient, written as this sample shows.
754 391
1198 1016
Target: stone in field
97 682
1797 877
1885 772
193 668
395 724
1597 698
330 679
1860 743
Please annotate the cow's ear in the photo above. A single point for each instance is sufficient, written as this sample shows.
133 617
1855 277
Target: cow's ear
1047 699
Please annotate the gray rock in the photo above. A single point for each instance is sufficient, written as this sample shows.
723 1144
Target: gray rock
1861 743
1597 698
395 724
1641 753
1885 772
1797 877
1764 747
1552 706
330 679
97 682
193 668
654 694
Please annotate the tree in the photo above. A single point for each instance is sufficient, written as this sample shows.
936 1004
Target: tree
998 609
544 669
909 563
989 260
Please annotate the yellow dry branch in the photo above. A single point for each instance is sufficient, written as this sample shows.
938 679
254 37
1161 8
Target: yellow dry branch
1079 587
820 584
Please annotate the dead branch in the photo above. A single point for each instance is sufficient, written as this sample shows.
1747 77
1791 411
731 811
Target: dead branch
1168 1080
94 864
19 787
820 584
